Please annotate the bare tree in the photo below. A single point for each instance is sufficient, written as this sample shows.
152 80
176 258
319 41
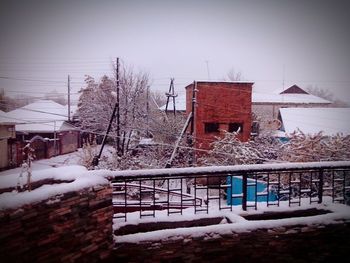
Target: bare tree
8 103
158 99
327 95
234 75
56 97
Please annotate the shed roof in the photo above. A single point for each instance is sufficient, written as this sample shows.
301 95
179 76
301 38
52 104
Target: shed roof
313 120
222 82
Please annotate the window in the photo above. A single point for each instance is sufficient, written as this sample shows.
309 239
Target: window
235 126
211 127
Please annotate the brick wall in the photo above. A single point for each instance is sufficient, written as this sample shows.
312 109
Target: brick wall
69 141
292 244
223 103
76 226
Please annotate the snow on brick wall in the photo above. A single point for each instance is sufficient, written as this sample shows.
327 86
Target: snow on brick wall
74 226
298 243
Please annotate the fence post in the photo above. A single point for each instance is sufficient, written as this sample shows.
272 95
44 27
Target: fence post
320 186
244 191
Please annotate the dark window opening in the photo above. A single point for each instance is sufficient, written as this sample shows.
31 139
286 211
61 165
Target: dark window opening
211 127
235 127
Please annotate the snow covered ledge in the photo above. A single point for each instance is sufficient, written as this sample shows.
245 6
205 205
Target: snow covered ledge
311 233
66 217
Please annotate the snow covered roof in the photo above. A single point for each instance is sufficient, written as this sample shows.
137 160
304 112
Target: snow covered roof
264 98
295 90
224 81
40 116
313 120
287 98
49 126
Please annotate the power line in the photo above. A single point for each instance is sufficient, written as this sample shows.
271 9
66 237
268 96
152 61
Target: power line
31 80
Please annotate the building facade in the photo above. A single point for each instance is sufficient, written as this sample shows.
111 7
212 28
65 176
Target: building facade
219 107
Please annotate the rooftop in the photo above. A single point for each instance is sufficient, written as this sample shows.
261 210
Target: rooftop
40 116
313 120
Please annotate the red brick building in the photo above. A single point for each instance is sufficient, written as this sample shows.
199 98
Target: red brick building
220 106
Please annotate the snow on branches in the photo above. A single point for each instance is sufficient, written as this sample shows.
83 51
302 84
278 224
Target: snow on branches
229 150
96 104
303 147
300 147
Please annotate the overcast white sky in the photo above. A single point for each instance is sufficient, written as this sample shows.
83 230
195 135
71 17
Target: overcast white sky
44 41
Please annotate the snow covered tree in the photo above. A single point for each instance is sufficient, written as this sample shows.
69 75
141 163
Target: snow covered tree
327 95
166 129
315 147
229 150
96 105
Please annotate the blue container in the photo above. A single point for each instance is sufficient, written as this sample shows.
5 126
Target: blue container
236 189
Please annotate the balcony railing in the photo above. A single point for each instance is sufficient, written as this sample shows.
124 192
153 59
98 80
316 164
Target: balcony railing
177 189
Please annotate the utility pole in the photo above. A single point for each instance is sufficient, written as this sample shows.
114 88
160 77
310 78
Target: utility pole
96 158
171 94
118 107
283 77
192 127
147 108
194 90
68 84
55 139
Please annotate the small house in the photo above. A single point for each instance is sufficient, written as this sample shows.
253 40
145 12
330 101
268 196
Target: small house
44 124
7 133
266 106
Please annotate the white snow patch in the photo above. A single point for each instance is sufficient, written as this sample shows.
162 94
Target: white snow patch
338 213
222 169
313 120
81 178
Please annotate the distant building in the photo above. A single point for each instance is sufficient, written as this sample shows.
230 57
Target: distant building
266 106
45 124
7 133
220 106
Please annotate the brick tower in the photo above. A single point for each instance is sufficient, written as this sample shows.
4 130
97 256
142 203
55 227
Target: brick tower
220 106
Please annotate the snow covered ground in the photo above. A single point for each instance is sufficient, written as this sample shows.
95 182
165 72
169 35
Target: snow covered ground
73 158
58 161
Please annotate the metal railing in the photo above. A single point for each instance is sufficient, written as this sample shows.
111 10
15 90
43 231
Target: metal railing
177 189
